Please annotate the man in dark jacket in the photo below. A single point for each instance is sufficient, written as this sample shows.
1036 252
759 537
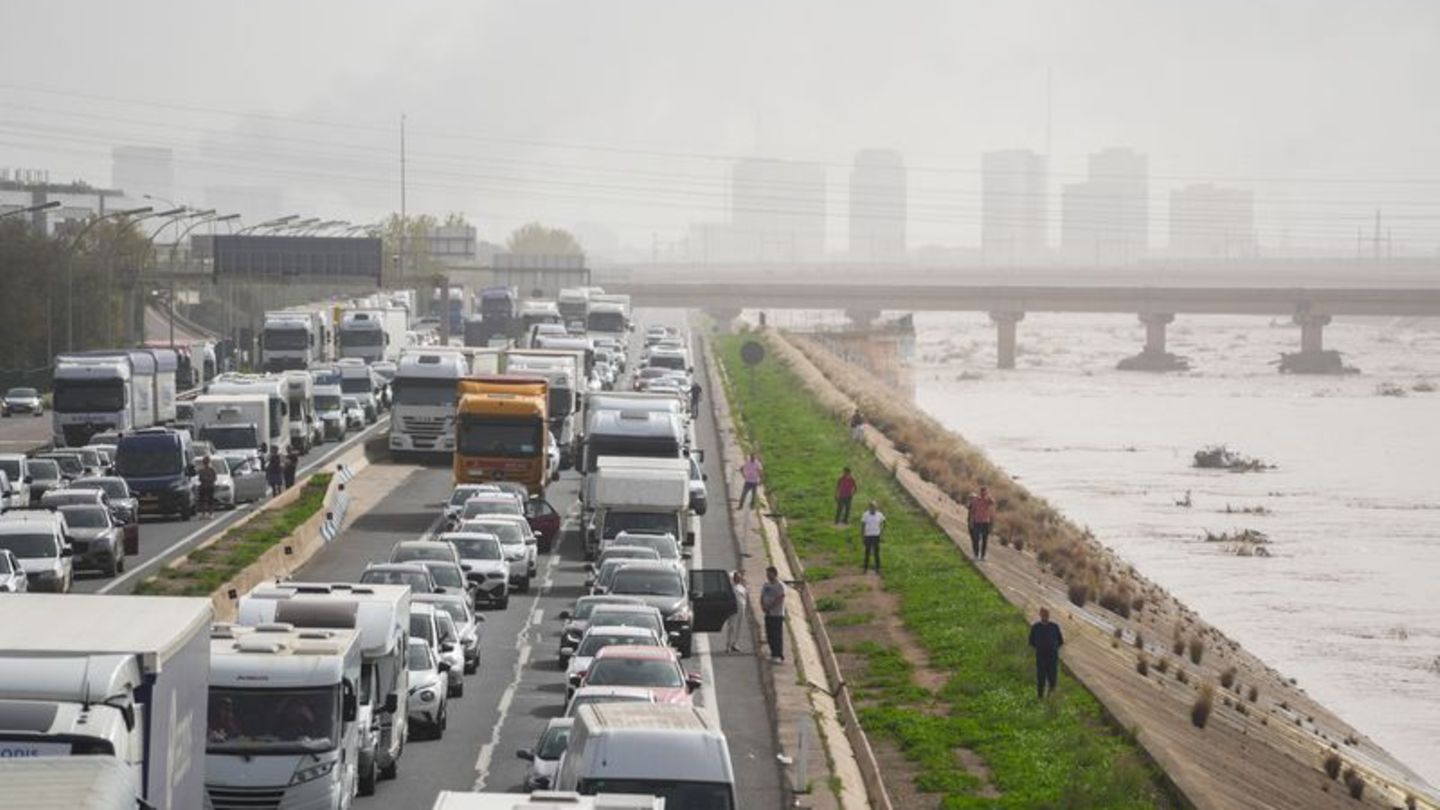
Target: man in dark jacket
1047 640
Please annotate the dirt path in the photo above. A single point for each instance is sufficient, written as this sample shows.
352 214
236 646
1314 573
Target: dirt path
1262 753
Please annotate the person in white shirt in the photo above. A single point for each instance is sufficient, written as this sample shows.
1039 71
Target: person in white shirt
872 523
736 624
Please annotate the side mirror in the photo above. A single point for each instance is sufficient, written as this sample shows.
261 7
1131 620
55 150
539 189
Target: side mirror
67 551
348 707
686 554
692 681
28 479
190 470
448 646
525 754
392 703
439 589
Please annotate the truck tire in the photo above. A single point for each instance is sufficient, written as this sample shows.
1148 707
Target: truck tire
120 561
393 770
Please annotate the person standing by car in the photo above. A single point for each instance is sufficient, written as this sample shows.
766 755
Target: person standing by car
872 523
844 494
982 516
275 472
736 624
207 478
751 471
772 601
292 463
1046 638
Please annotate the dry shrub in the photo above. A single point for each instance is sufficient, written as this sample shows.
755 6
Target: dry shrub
1139 641
1078 592
1141 665
1410 801
1162 665
1181 675
1119 633
1137 604
1332 766
1197 650
1242 709
1354 783
1019 543
1200 710
1227 678
1116 602
1178 647
1254 694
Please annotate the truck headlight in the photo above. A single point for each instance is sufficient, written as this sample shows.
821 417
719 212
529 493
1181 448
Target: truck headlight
312 772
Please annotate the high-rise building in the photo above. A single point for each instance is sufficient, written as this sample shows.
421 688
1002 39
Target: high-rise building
1013 199
878 206
777 211
1212 222
141 170
1106 219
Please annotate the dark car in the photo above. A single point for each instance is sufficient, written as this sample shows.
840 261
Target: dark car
95 538
123 506
158 466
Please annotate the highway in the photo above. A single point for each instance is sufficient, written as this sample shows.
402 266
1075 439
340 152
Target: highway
520 685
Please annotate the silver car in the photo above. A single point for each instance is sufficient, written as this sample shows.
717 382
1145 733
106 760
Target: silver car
95 538
470 625
425 705
544 758
23 400
452 652
12 575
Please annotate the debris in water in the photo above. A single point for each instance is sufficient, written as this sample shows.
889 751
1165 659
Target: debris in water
1220 457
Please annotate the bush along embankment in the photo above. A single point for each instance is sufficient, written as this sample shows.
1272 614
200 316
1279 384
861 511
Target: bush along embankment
976 736
203 570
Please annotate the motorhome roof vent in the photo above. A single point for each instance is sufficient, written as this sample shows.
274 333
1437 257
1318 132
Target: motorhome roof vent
258 643
275 627
222 630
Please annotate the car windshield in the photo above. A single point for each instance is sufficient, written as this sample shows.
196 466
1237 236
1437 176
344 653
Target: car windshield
113 487
490 506
416 580
503 438
476 548
11 468
327 402
648 672
272 720
5 564
447 575
69 465
661 544
22 393
89 396
30 546
86 517
417 658
552 745
356 385
230 437
647 582
43 469
624 618
586 605
286 338
421 391
454 610
595 642
422 627
508 532
462 494
350 403
446 627
408 553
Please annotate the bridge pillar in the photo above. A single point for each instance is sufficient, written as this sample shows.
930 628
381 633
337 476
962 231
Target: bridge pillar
724 317
1312 332
1155 324
1005 337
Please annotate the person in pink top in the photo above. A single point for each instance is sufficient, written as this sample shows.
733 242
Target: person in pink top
982 517
751 471
844 494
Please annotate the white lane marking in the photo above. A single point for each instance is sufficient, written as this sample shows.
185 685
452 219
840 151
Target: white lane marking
221 523
523 648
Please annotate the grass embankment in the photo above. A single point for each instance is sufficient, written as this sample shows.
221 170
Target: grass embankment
1054 753
206 569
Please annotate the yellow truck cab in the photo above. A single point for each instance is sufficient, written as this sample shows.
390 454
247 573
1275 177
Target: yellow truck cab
502 431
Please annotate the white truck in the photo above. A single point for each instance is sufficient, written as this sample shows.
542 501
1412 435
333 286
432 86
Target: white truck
274 388
649 495
236 424
283 720
561 369
95 393
358 380
76 783
424 401
293 339
373 335
674 752
609 314
574 305
381 614
305 430
109 676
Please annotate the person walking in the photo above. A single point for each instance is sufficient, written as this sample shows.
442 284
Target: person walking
275 472
772 601
207 476
292 464
982 516
736 625
750 471
695 391
1046 638
844 493
857 425
872 523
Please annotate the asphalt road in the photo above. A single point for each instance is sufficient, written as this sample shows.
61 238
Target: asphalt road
520 685
22 433
164 539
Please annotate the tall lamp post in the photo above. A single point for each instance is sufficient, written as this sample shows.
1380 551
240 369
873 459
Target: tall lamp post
32 209
270 223
70 267
210 219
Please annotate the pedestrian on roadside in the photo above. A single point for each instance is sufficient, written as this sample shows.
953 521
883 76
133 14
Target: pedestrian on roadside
844 493
736 624
981 518
292 464
207 476
1046 638
772 601
857 425
751 471
275 472
872 523
695 391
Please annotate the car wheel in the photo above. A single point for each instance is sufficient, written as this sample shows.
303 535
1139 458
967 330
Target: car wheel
393 770
120 562
525 585
504 602
112 568
471 667
367 780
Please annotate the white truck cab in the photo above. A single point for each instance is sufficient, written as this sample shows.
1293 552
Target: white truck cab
424 400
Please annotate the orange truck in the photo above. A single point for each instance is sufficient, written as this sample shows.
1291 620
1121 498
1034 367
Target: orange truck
502 431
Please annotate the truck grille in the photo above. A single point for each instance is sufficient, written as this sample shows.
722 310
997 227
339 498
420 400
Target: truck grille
420 426
235 798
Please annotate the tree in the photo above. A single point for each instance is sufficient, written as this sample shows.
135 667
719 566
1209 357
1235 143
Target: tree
535 238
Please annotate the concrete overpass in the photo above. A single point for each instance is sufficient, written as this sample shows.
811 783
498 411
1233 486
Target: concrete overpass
1310 307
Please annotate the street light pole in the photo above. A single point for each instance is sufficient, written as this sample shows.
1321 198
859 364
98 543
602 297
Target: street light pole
70 267
32 209
210 218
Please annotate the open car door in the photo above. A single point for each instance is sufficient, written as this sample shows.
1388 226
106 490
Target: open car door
544 522
712 599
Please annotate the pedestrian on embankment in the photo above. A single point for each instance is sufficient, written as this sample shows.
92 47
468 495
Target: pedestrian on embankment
751 471
857 425
208 477
772 601
872 524
1046 638
275 472
981 517
292 465
736 624
844 494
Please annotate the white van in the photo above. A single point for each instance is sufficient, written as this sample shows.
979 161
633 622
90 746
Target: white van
673 752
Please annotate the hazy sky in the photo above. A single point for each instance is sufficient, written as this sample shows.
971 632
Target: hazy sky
621 114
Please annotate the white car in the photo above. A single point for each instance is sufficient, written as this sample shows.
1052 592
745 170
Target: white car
517 540
484 564
544 758
596 639
23 400
470 625
459 495
492 503
452 651
12 574
37 540
354 412
425 705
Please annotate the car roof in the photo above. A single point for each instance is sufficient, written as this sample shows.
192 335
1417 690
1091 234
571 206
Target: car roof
618 630
419 543
473 535
400 566
626 607
648 652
